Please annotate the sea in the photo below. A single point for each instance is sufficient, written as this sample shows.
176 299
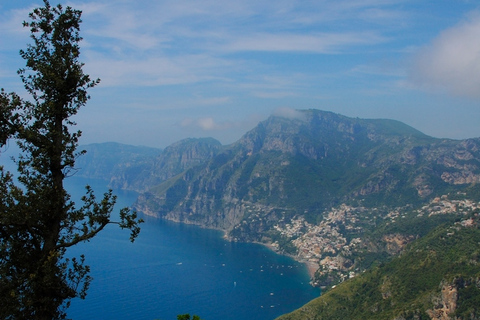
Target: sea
175 268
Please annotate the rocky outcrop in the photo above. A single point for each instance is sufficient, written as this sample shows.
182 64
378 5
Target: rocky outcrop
461 177
453 295
445 304
395 243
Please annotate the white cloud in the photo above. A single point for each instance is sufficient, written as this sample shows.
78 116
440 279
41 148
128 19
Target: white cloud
318 43
273 94
289 113
452 61
167 42
154 71
13 35
205 124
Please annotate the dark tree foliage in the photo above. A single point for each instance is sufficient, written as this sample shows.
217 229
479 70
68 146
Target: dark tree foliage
38 221
187 317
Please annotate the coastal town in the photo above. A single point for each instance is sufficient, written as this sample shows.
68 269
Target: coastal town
329 248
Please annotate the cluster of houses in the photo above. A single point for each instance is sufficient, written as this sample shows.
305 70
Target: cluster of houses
324 245
328 245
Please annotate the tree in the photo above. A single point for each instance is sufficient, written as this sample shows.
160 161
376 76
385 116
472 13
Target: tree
38 221
187 317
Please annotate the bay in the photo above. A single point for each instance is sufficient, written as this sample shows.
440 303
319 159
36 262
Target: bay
175 268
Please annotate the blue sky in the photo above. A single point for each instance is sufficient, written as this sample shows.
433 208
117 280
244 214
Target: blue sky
187 68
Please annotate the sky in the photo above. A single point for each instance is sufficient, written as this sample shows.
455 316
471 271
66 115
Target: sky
174 69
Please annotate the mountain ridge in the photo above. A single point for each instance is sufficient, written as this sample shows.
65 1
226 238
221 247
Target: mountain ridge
280 148
318 169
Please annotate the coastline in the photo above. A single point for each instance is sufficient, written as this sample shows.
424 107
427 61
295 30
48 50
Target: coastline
312 267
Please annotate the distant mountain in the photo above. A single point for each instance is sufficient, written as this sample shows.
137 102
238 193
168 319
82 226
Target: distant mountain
139 168
172 161
106 160
437 277
343 194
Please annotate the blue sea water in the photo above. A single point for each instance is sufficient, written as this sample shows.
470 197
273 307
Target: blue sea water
175 268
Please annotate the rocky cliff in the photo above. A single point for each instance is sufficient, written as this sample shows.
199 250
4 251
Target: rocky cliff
172 161
139 168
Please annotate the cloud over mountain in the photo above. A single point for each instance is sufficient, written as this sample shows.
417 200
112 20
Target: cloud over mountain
452 60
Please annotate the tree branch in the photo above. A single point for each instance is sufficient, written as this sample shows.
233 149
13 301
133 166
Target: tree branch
84 237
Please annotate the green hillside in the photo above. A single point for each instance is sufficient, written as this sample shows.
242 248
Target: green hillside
437 275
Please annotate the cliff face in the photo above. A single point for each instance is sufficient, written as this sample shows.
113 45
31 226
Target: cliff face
445 303
302 166
139 168
174 160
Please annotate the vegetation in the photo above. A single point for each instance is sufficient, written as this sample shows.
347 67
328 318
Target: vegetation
410 286
187 317
38 221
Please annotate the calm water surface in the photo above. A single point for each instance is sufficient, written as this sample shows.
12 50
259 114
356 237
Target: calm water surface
174 268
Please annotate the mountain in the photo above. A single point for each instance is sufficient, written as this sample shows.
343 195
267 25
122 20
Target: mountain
106 160
436 277
172 161
341 193
303 166
138 168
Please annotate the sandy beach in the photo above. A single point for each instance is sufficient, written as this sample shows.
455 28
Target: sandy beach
312 268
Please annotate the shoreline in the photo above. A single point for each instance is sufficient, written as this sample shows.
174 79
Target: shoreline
312 267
